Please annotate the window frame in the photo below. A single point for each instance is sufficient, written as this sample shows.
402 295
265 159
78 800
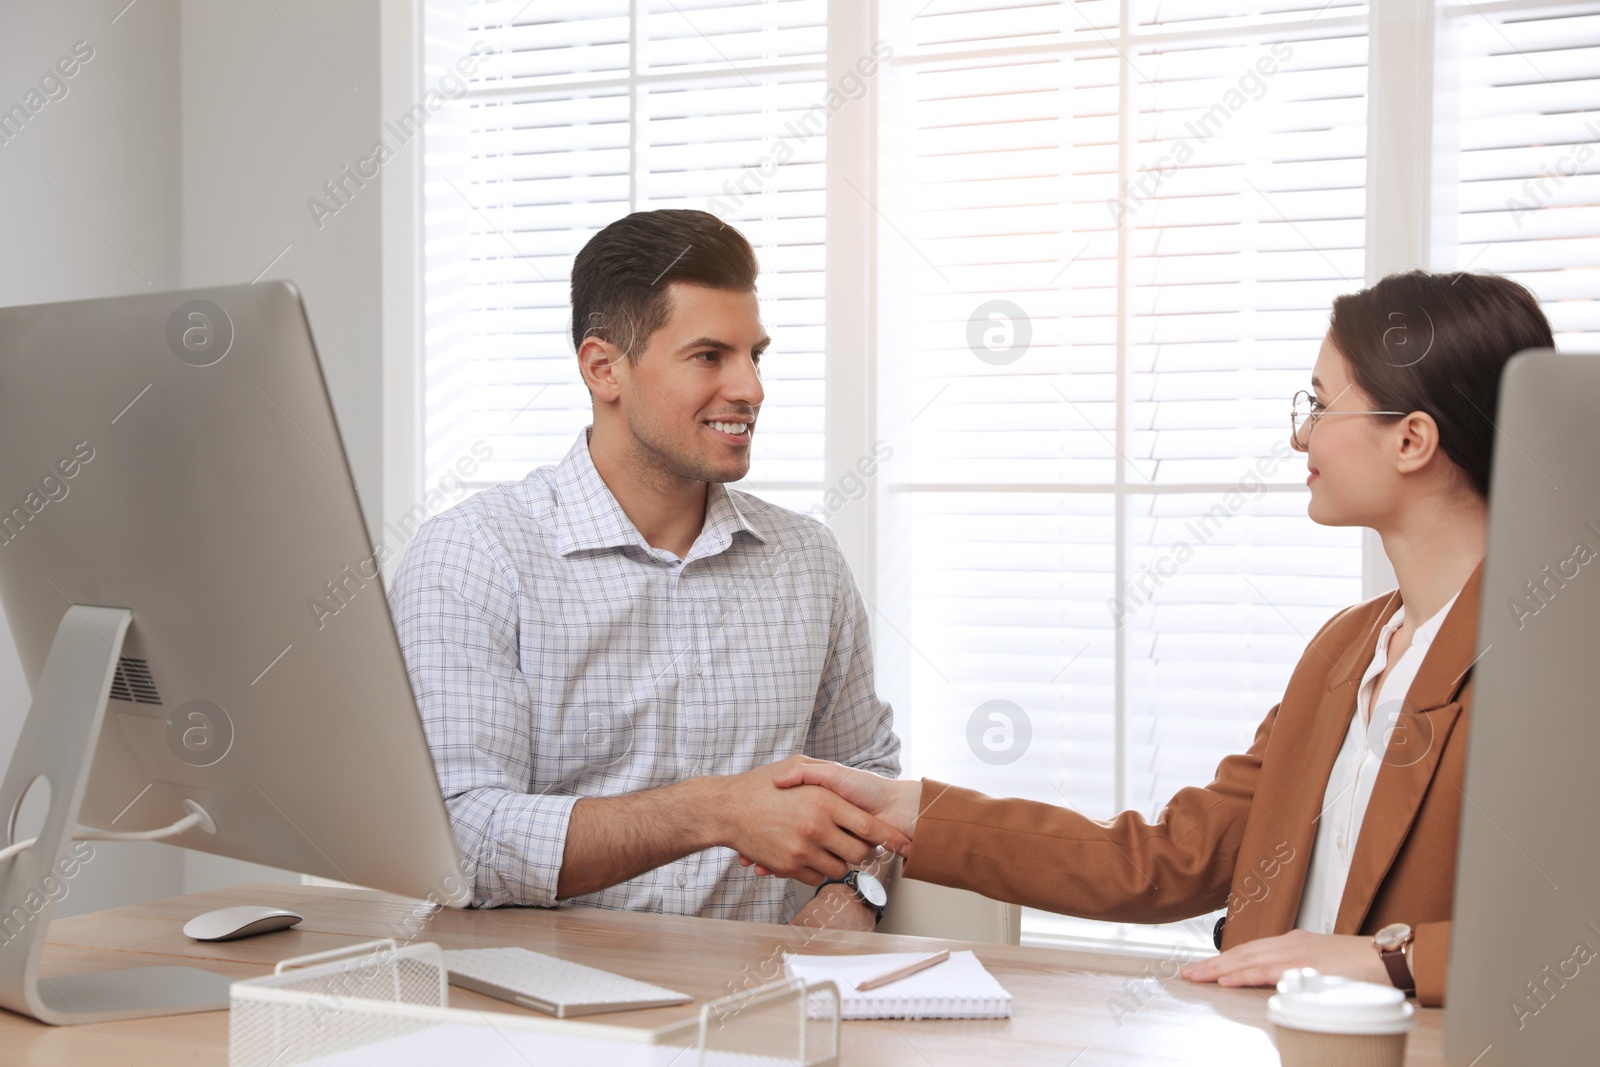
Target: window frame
1408 226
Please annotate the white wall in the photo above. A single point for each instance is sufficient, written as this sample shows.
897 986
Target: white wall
277 98
90 187
190 143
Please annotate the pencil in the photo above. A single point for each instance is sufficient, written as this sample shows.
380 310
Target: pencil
904 972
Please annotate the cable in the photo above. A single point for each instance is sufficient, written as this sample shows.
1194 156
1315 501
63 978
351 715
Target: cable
197 816
19 847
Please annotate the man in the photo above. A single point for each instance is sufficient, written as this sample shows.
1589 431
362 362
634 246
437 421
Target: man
610 655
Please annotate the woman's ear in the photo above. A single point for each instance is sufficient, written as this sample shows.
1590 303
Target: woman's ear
598 362
1416 439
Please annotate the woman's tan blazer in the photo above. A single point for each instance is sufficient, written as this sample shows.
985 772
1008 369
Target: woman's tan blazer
1244 841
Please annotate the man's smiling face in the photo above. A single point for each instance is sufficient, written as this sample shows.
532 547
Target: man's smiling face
691 400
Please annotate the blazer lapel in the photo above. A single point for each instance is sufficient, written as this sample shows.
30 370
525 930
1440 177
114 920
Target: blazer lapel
1295 820
1296 804
1427 715
1353 663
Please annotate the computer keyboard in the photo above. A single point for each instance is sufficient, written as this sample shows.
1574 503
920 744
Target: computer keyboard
555 986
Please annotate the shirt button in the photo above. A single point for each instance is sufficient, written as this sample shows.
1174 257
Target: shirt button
683 879
1327 926
1338 840
699 668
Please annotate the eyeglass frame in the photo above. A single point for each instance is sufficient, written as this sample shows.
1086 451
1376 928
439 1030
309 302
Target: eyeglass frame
1313 416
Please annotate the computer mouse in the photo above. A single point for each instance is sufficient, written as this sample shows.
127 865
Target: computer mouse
248 920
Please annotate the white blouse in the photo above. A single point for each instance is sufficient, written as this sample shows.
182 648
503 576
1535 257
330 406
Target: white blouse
1344 802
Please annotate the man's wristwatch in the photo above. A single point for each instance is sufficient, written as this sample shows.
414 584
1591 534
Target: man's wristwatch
867 889
1392 942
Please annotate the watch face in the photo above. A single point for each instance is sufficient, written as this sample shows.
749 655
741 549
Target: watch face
871 889
1392 937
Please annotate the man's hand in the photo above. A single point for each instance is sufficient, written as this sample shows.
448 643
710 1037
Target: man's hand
1263 961
894 801
805 832
801 831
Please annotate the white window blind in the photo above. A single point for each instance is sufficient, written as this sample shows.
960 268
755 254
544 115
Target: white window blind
1528 186
582 113
1110 232
1166 198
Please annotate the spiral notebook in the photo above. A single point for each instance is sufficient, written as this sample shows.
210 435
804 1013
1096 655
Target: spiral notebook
958 988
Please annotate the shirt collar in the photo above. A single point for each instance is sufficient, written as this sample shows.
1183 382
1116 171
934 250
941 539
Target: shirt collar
724 518
588 517
1420 640
1429 628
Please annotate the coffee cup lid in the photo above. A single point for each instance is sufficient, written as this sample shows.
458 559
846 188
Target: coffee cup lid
1324 1003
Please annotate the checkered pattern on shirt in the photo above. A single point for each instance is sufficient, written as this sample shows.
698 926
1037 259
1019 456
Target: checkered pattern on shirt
556 655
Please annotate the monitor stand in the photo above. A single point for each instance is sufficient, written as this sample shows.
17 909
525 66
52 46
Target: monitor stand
58 743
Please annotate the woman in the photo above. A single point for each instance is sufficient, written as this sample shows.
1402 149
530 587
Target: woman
1341 820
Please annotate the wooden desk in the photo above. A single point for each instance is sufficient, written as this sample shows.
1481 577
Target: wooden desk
1063 1012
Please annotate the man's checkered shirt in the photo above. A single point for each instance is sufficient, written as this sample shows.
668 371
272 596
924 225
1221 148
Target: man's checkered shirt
556 655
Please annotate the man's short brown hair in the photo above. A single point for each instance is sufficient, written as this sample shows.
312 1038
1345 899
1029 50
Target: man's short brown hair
620 278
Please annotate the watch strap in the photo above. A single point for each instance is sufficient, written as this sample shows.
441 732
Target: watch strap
1394 960
849 882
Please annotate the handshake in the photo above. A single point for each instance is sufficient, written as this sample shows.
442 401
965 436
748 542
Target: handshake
812 820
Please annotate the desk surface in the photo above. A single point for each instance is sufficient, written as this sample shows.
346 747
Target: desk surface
1078 1008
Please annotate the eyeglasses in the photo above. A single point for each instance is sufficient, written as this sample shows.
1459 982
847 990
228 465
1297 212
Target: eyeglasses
1305 411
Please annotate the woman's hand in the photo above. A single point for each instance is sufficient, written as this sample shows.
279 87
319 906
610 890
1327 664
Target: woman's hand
1263 961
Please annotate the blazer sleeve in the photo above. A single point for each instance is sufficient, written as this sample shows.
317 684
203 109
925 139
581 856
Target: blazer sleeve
1430 955
1125 869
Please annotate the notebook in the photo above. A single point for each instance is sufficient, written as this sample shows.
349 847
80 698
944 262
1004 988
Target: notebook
958 988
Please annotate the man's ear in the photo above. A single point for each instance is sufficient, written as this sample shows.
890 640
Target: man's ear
1416 440
598 362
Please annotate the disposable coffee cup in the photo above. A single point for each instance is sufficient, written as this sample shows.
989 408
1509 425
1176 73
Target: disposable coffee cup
1321 1020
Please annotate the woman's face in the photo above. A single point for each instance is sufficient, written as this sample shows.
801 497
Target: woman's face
1351 483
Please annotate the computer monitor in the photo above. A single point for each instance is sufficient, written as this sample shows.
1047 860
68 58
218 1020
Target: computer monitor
1524 975
175 456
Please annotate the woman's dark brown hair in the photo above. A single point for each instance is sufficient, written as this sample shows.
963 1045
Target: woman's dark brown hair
1438 343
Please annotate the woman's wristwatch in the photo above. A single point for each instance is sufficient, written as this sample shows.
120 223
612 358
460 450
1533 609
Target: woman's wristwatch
1393 943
